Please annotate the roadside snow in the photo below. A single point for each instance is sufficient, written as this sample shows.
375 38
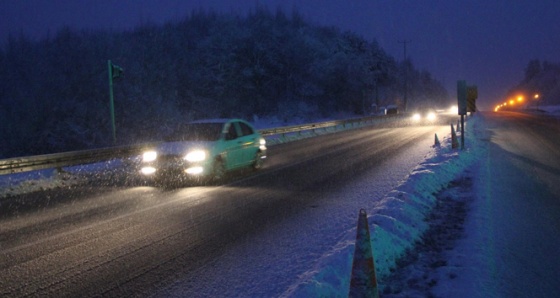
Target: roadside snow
431 235
398 223
28 182
455 228
14 184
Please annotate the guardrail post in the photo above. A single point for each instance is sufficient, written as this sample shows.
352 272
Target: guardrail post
363 282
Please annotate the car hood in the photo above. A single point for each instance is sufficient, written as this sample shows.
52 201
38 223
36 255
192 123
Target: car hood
179 148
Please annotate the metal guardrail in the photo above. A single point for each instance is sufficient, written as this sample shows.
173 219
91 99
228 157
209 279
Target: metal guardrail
55 160
317 125
72 158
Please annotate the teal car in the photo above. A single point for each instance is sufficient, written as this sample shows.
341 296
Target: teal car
205 150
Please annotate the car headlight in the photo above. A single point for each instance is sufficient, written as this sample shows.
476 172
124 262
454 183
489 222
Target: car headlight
148 170
262 144
149 156
431 116
416 117
195 155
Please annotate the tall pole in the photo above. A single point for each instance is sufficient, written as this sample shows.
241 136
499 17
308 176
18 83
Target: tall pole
111 101
404 42
462 132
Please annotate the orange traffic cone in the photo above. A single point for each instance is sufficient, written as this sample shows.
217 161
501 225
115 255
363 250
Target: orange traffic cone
363 282
454 140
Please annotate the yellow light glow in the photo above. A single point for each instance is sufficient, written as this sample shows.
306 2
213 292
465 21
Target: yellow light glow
537 96
520 98
511 102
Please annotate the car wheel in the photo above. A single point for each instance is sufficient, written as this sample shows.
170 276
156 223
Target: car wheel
219 171
259 161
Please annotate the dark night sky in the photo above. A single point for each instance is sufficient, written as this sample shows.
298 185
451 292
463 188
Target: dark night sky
488 43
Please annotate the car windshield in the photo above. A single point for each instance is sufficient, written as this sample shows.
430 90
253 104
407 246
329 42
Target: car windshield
196 132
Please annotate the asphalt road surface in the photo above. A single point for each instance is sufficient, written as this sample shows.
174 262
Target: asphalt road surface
123 239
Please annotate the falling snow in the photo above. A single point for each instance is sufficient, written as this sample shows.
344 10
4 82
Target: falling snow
433 234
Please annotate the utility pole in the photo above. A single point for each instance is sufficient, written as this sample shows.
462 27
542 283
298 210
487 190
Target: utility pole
404 42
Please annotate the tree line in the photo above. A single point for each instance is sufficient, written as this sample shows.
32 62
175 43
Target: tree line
541 78
54 92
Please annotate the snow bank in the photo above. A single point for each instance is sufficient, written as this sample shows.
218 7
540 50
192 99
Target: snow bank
29 182
553 110
14 184
396 222
550 110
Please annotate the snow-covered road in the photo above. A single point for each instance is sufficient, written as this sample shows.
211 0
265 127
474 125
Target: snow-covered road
511 243
482 222
479 223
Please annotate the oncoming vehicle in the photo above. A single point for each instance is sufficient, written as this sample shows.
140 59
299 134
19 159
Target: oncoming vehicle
424 116
205 150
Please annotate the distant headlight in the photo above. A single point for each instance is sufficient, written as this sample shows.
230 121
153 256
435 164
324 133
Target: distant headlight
431 116
262 144
416 117
195 155
149 156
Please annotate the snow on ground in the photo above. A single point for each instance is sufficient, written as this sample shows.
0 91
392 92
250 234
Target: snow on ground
28 182
397 223
549 110
430 235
